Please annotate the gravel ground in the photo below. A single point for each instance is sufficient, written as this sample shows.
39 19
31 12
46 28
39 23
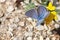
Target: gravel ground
14 25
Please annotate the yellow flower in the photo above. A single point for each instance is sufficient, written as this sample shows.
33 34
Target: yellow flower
51 17
50 6
55 15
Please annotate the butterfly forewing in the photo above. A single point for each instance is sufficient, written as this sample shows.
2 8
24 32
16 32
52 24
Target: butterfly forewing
32 13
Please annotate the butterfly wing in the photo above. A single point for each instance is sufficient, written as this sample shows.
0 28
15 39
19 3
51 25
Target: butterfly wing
42 14
32 13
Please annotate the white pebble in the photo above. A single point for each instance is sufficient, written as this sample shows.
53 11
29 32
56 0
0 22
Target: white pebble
45 27
16 19
44 33
21 23
26 34
41 37
10 33
1 14
48 32
29 19
29 38
34 38
14 25
2 1
26 1
30 34
56 25
40 27
10 29
15 38
47 38
30 28
53 38
33 23
11 20
10 9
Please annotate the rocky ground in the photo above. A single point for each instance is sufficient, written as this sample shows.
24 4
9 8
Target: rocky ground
14 25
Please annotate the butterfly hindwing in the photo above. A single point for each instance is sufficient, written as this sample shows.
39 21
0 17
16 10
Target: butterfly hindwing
32 13
42 12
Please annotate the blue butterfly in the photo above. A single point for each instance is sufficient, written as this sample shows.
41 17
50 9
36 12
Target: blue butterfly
40 14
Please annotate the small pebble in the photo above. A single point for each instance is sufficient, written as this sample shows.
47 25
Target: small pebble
2 1
10 29
1 14
15 38
53 38
48 32
10 9
21 23
26 34
41 37
34 38
40 27
56 25
29 38
47 38
29 19
11 20
16 20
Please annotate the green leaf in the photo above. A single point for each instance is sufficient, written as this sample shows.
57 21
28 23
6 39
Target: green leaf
58 11
29 6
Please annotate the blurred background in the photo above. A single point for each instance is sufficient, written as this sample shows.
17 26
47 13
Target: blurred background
14 25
